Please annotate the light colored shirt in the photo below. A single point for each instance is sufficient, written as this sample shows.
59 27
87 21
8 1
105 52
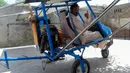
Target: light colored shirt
87 36
67 32
78 24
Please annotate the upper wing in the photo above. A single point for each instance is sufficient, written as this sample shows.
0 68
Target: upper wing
51 1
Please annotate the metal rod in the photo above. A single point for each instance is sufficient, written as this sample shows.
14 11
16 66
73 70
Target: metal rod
11 5
48 8
91 10
71 19
6 59
81 18
57 12
53 6
20 13
91 24
119 29
48 29
24 58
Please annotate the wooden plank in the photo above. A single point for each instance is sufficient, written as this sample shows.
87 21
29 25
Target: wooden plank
34 28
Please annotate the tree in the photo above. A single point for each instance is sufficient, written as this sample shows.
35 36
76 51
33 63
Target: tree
2 3
22 4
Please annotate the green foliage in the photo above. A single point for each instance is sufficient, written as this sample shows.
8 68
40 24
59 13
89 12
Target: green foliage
2 3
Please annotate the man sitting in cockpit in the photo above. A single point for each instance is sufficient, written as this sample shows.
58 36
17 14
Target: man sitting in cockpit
87 36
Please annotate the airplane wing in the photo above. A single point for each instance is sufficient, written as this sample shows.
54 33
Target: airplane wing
52 1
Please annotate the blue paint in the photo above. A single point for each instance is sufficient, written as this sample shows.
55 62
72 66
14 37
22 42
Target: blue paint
37 48
52 50
81 18
90 9
57 12
48 30
74 28
51 58
37 23
6 59
83 52
82 65
24 58
41 18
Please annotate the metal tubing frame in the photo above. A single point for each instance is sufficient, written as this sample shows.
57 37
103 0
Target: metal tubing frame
34 57
36 16
96 41
91 24
82 65
26 58
119 29
67 51
6 59
61 52
73 26
36 12
70 52
48 30
57 12
37 47
90 9
81 18
54 6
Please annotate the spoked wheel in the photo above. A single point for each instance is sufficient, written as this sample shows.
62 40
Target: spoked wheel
76 68
105 53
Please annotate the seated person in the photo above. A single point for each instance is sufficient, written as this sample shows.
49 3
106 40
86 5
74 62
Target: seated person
87 36
67 32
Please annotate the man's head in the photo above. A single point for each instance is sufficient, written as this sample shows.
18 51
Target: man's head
74 9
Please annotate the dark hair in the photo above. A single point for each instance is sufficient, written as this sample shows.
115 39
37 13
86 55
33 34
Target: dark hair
73 6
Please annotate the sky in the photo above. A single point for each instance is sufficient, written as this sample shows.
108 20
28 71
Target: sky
93 2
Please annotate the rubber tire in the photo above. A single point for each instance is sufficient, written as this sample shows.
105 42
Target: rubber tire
77 63
105 53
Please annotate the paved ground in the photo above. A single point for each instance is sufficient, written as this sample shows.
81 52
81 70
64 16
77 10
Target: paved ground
118 61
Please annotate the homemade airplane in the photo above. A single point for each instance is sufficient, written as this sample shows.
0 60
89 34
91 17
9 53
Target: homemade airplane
49 42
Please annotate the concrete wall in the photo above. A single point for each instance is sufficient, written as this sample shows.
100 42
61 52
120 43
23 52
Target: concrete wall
12 32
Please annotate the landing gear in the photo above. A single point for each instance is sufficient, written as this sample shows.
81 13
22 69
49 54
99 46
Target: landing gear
105 53
76 67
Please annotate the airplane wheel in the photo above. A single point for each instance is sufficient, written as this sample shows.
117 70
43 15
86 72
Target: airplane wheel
77 69
105 53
